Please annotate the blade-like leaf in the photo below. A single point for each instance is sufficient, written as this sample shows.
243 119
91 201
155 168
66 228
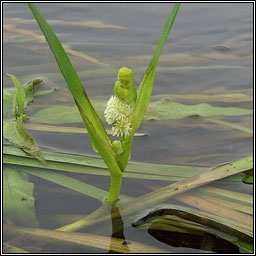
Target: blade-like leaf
18 200
93 165
146 85
92 122
19 96
156 197
67 182
145 88
81 239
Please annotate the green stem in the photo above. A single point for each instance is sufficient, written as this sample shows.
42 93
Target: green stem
114 190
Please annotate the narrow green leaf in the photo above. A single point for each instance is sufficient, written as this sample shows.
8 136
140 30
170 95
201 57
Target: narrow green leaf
19 96
18 200
92 122
67 182
146 85
96 166
15 134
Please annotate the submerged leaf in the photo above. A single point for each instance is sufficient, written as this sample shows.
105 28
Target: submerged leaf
15 134
82 240
18 200
168 109
67 182
190 221
158 110
8 249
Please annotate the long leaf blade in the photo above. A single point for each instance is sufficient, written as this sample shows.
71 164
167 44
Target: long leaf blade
92 122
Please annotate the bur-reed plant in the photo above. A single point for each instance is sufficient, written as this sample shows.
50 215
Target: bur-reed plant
125 109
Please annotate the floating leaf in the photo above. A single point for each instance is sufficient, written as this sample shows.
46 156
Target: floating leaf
15 134
160 195
67 182
81 239
168 109
18 200
158 110
96 166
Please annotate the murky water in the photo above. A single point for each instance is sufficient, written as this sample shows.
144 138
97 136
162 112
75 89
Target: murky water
209 51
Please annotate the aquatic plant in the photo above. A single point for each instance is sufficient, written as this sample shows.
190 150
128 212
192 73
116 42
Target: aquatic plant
125 110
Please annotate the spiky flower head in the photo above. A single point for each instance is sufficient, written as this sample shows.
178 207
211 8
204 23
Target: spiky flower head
119 114
122 128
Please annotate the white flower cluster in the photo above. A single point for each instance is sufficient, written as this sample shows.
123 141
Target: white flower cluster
119 114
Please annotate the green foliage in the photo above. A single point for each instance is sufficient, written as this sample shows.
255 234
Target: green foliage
18 200
22 94
19 98
90 118
15 133
100 140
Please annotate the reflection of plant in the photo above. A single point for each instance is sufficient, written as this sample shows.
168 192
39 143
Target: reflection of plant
124 111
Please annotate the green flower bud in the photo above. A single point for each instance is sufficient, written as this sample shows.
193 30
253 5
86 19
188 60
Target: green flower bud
117 147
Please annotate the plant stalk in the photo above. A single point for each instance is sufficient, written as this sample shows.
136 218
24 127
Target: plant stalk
114 190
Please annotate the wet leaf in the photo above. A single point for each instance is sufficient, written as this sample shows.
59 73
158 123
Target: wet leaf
63 129
96 166
248 178
67 182
158 110
18 200
15 134
168 109
26 96
82 240
156 197
209 204
189 221
12 249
